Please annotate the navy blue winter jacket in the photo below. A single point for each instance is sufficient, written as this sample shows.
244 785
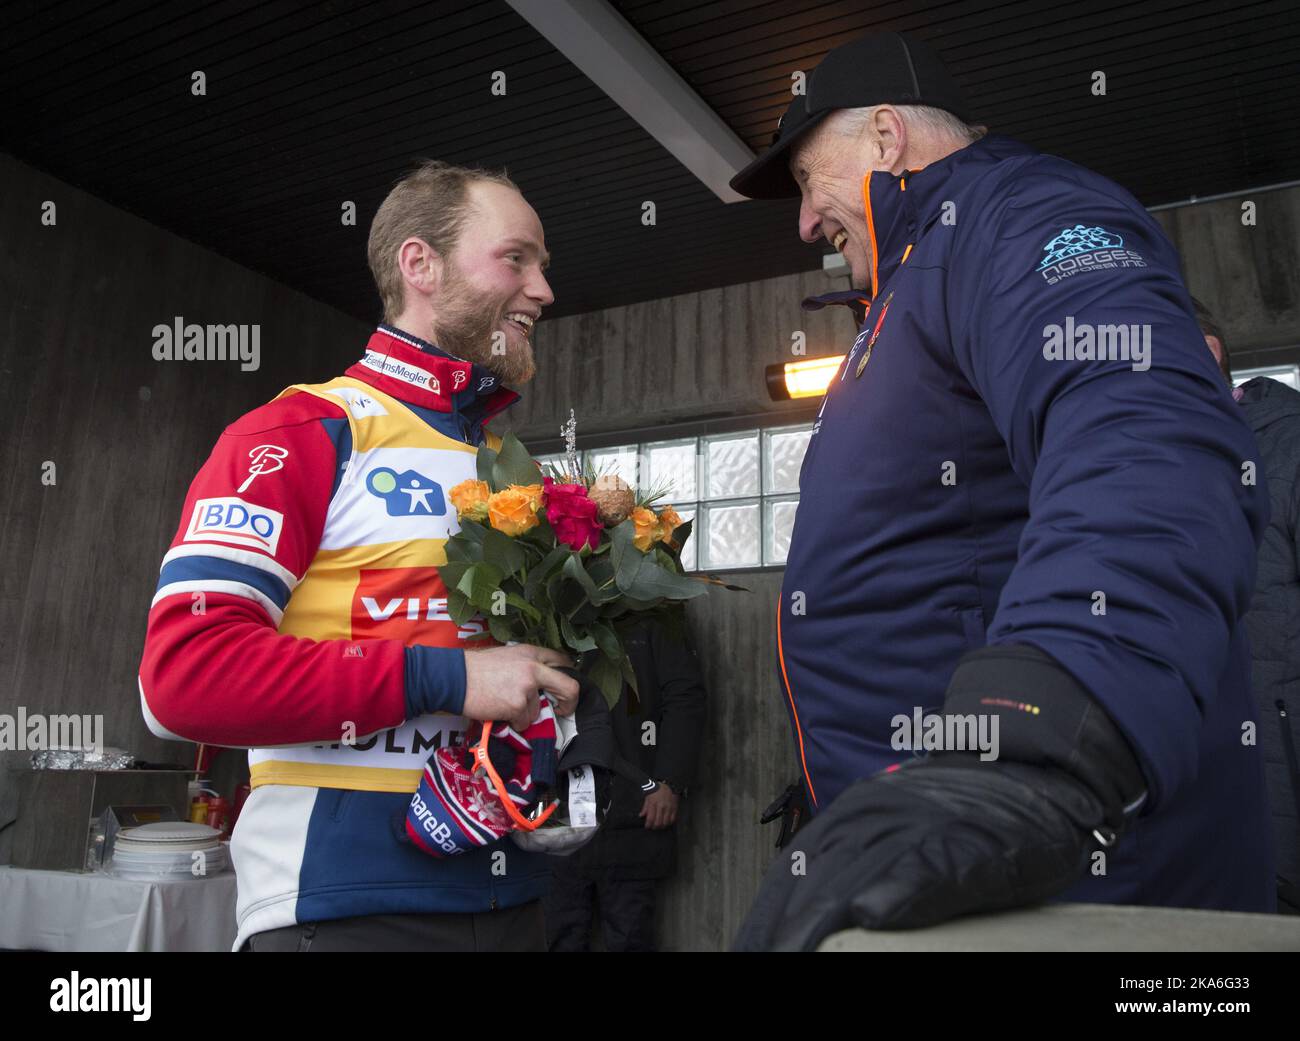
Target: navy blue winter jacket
1030 443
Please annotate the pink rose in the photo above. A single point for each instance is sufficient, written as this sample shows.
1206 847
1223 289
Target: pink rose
573 516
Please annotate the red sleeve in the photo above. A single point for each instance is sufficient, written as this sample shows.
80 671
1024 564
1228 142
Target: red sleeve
214 668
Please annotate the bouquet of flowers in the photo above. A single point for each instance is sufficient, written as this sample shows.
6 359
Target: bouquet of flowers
566 559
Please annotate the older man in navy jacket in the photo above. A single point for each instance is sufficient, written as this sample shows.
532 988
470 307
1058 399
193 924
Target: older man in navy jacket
1028 520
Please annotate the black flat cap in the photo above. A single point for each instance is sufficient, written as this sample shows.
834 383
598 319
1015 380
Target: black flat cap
876 69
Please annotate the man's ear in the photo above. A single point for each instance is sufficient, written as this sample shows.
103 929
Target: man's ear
420 265
889 138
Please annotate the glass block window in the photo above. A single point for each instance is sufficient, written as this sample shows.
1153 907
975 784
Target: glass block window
741 489
673 461
731 465
782 458
621 461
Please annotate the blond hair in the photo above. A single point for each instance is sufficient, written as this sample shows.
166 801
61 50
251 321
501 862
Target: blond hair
429 203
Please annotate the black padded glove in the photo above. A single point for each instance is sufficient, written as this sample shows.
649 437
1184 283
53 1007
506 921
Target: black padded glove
791 809
952 834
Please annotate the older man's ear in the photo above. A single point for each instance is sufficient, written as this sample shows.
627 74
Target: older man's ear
888 138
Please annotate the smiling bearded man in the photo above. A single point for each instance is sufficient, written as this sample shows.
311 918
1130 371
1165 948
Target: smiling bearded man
471 280
313 535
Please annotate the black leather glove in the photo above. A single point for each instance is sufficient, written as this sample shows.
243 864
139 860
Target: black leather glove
952 834
791 808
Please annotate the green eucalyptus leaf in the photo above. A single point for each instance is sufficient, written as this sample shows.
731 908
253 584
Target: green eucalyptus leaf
652 581
452 572
487 458
479 583
501 629
566 595
463 550
602 574
523 605
503 552
541 535
608 677
627 559
574 569
514 465
621 538
626 605
539 573
607 640
473 532
585 614
459 607
573 638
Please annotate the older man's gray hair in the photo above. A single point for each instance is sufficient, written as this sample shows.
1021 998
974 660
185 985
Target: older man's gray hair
935 123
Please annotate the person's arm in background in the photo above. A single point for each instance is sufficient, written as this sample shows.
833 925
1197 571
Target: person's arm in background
1135 492
681 726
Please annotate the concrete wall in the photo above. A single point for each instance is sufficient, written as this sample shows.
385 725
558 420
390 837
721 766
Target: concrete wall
80 389
1247 274
690 357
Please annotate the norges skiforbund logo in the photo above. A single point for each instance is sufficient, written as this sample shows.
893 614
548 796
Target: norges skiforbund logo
1082 248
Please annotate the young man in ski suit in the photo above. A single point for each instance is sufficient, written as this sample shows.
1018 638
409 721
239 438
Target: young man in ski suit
299 612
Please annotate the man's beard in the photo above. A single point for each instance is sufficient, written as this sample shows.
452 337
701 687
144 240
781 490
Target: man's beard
465 328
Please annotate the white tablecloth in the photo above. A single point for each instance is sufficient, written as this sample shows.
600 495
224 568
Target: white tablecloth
79 911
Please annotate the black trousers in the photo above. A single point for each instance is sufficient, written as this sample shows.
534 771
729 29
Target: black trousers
578 890
510 929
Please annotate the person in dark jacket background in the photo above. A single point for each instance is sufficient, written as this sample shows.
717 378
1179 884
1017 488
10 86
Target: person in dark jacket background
657 735
1273 411
1023 510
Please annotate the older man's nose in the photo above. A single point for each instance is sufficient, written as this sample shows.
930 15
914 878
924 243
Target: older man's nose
810 223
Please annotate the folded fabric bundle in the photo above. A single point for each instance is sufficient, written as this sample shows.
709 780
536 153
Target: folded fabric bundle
457 806
583 777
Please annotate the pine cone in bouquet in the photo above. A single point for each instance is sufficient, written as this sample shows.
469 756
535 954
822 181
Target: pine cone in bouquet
614 499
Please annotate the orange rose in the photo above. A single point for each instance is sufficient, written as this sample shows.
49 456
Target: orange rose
669 519
512 511
533 491
471 500
647 528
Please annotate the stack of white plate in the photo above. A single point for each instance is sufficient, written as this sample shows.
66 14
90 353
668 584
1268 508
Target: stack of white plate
167 851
